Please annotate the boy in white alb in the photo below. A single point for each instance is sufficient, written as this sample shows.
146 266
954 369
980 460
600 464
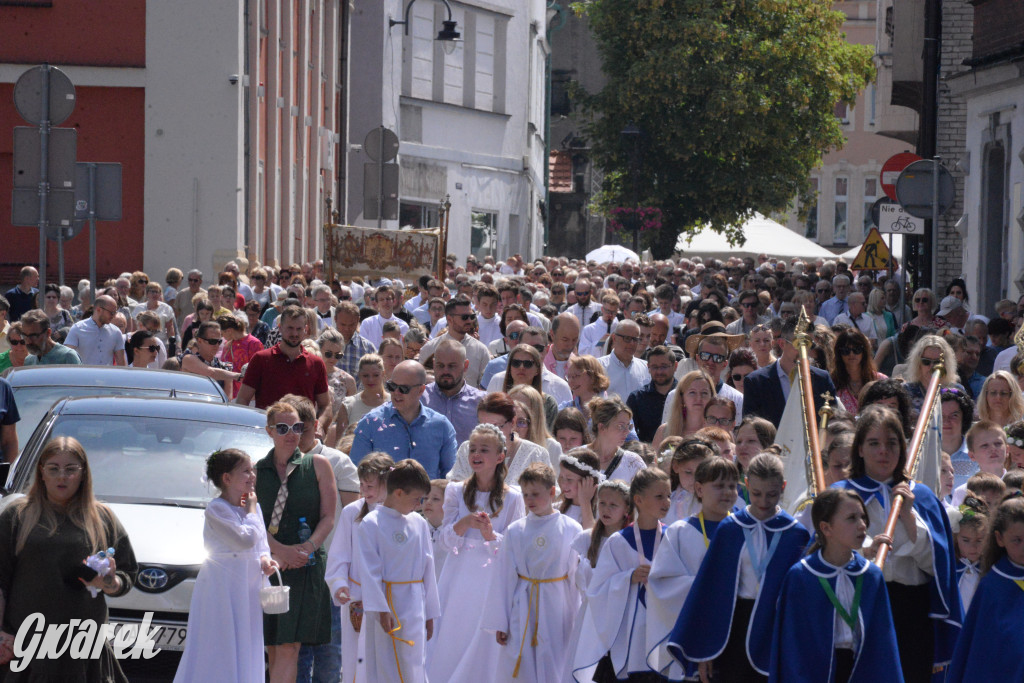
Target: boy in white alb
533 602
396 564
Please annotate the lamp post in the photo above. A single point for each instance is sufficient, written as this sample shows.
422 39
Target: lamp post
447 35
631 143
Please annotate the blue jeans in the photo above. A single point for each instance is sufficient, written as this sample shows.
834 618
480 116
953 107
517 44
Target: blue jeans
322 663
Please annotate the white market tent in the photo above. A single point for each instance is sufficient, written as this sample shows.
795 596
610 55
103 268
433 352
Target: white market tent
764 236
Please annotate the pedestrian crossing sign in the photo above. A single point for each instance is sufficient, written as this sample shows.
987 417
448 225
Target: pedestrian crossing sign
873 255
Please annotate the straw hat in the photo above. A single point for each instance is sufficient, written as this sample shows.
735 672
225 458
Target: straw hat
713 328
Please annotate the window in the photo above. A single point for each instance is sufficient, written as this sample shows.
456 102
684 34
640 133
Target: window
417 216
483 237
841 207
811 222
870 195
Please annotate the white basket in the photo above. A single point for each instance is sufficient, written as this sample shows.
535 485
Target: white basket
274 599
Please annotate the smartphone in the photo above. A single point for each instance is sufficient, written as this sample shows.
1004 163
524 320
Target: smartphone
84 572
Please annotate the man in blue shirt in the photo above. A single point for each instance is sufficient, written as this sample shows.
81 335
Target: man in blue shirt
450 394
404 428
837 304
22 297
648 403
8 418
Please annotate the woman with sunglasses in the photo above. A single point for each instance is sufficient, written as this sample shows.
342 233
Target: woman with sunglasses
511 312
855 367
1001 400
142 349
16 355
924 308
928 351
310 494
742 362
528 404
137 287
203 361
329 346
525 367
373 395
499 409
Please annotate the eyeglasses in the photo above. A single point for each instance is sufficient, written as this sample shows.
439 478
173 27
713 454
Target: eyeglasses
66 471
211 342
282 429
713 357
522 422
400 388
259 277
749 304
922 300
620 427
540 348
345 298
719 421
999 394
143 282
850 351
928 362
465 316
330 354
527 363
16 342
34 335
579 293
627 339
152 348
107 310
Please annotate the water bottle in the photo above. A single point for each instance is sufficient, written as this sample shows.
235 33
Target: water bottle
304 533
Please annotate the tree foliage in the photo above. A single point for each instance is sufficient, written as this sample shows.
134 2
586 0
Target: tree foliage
735 100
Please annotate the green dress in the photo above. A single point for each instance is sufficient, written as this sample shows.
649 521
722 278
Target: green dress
308 619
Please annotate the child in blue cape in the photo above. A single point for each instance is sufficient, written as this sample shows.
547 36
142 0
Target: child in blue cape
993 635
728 616
834 621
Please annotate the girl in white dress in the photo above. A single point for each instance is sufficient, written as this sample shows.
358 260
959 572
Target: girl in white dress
578 478
342 576
685 458
476 513
225 620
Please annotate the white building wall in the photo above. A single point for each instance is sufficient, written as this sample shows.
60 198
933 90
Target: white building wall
990 93
194 162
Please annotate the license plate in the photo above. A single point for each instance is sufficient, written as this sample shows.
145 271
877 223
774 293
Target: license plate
166 636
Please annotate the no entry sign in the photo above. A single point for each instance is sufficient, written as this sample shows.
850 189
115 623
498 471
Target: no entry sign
891 170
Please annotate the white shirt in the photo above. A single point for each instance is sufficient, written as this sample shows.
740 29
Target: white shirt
1004 359
95 346
490 329
584 314
624 380
590 338
863 323
372 329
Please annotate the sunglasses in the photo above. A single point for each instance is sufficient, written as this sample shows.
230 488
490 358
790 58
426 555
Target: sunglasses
465 316
713 357
579 293
195 279
850 350
514 336
922 300
330 354
737 377
152 348
211 342
400 388
344 298
282 429
749 305
928 362
527 363
16 342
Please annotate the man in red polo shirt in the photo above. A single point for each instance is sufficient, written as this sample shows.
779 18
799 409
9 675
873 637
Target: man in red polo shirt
286 368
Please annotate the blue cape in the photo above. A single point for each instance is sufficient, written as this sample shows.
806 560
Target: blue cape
803 645
647 538
992 641
946 610
702 630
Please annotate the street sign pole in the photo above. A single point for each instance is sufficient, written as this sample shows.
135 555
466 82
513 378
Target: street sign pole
44 183
380 186
935 215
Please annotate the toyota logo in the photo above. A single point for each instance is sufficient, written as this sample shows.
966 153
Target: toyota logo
152 579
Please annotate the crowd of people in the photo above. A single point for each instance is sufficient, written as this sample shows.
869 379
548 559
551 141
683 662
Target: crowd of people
567 471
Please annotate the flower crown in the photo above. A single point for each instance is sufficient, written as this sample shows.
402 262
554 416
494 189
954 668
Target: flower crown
1013 441
582 466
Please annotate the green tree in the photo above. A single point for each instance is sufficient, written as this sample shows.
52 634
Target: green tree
735 100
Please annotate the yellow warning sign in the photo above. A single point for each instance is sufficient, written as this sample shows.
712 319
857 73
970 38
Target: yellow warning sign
874 255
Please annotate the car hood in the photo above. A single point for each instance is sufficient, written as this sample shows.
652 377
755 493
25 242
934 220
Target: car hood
163 534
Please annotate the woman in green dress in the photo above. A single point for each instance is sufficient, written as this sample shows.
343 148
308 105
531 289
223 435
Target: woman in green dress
309 493
44 539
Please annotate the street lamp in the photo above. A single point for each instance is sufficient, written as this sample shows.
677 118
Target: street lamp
631 143
447 35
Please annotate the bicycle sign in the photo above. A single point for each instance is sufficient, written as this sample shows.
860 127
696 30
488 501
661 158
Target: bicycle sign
893 218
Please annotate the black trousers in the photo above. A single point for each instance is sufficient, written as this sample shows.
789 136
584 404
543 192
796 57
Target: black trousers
844 665
733 665
915 633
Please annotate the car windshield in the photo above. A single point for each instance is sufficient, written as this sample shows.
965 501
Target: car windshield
155 460
34 401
